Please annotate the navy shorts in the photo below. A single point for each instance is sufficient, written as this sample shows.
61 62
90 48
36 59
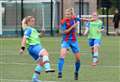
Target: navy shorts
94 42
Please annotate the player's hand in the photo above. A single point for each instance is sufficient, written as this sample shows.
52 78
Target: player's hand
100 30
84 19
21 51
75 25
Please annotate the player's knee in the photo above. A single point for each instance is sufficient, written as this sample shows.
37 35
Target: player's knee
77 55
41 63
95 49
44 53
63 53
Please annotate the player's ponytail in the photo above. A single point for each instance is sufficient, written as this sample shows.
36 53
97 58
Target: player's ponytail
24 25
25 21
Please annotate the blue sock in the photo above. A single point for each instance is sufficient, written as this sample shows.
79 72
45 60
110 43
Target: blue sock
95 57
47 64
60 65
77 66
38 69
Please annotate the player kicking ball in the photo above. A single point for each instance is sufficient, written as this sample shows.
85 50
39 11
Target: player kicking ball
37 52
94 29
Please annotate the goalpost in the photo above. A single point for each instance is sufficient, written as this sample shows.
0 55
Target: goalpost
43 13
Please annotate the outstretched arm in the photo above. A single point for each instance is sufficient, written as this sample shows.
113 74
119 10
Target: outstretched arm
88 19
86 31
87 26
23 43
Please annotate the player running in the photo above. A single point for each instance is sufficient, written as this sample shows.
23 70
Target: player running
32 42
94 30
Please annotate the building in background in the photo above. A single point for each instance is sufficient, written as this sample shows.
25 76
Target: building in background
88 5
41 9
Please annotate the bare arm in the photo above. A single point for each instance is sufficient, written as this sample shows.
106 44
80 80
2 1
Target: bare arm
100 30
87 19
23 43
86 31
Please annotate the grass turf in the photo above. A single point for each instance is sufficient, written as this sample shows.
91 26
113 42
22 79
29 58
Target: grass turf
19 68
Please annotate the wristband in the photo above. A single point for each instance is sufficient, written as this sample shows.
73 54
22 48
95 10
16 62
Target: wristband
23 48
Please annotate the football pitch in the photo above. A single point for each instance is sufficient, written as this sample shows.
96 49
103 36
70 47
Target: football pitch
19 68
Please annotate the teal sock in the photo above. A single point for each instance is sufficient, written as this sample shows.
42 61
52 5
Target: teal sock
38 69
95 57
35 76
47 64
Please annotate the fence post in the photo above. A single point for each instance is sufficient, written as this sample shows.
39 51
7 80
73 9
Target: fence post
51 31
22 16
107 20
80 17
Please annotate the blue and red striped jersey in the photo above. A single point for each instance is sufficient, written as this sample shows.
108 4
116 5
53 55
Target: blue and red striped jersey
66 23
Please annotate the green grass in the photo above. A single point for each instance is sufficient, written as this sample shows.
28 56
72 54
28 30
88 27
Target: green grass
15 67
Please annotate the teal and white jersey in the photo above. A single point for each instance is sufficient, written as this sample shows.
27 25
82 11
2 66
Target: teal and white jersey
32 36
93 27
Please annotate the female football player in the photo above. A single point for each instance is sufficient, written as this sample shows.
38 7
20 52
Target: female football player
94 30
31 41
69 40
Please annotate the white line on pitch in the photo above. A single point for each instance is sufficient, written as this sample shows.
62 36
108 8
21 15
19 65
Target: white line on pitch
14 80
105 66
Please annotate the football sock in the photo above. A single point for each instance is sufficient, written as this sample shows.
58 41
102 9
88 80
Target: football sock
77 66
47 63
60 65
95 57
76 76
38 69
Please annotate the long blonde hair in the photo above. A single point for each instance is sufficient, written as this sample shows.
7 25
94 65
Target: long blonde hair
25 21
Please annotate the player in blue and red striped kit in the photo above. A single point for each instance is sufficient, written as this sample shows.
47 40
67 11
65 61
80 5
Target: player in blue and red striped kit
69 40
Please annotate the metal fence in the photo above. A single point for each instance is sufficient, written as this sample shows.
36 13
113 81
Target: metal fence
48 14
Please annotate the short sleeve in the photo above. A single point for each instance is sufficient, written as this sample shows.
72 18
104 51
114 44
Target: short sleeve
87 25
78 19
63 27
28 32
